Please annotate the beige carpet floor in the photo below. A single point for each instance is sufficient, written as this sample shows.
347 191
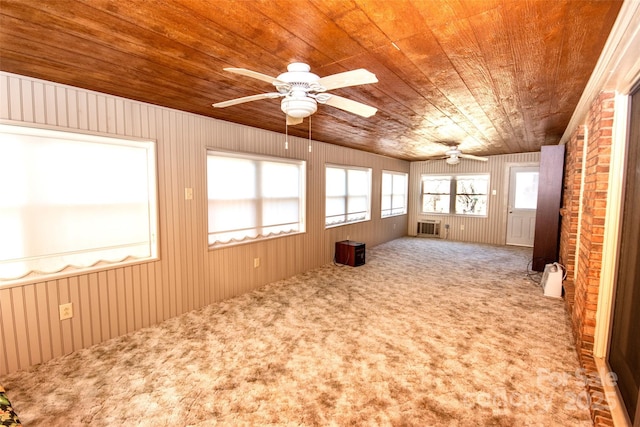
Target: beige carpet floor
427 333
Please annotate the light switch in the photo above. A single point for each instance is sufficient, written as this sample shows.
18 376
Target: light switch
188 193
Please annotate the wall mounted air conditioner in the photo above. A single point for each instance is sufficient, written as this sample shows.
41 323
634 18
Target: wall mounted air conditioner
552 280
428 228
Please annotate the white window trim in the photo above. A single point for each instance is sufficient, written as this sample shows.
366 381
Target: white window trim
406 193
275 159
95 137
346 168
452 201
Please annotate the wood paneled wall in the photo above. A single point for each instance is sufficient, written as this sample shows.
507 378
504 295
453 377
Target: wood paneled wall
188 275
490 229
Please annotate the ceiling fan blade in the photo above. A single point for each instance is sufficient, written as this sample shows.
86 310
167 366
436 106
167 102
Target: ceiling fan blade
246 99
348 78
349 105
255 75
291 121
472 157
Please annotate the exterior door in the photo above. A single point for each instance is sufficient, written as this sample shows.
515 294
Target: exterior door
624 348
523 199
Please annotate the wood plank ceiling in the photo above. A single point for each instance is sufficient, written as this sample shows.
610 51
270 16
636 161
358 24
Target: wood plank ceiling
495 76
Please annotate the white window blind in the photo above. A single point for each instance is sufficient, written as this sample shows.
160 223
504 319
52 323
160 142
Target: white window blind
253 197
347 194
73 201
394 194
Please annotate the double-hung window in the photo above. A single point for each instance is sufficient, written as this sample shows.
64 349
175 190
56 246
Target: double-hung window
253 197
471 194
394 194
459 194
436 194
347 195
73 201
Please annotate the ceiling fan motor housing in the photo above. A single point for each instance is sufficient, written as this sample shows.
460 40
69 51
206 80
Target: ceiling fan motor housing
298 104
298 72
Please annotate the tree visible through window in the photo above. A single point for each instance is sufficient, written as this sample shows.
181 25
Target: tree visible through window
461 194
471 194
436 194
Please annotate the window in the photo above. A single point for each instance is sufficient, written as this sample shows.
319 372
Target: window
348 195
71 201
394 194
436 194
254 197
471 194
461 194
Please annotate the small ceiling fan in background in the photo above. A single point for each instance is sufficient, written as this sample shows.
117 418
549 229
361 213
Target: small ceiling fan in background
301 91
453 156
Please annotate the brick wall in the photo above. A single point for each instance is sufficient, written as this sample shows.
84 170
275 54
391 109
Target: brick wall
570 211
582 293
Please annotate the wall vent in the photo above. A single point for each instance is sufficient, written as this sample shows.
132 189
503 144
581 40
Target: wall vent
429 228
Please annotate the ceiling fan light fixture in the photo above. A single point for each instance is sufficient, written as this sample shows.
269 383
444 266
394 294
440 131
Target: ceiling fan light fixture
299 107
453 160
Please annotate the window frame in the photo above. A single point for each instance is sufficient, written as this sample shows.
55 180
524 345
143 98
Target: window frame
347 196
433 177
453 194
383 195
82 136
259 203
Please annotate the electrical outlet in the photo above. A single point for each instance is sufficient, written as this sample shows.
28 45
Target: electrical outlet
461 227
256 262
66 311
348 238
188 193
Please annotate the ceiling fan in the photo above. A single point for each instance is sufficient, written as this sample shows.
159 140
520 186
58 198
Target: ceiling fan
453 156
301 91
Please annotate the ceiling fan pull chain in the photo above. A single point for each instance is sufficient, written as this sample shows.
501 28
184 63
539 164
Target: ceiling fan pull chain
309 133
286 133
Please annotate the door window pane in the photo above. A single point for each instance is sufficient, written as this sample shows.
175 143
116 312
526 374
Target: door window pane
526 193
